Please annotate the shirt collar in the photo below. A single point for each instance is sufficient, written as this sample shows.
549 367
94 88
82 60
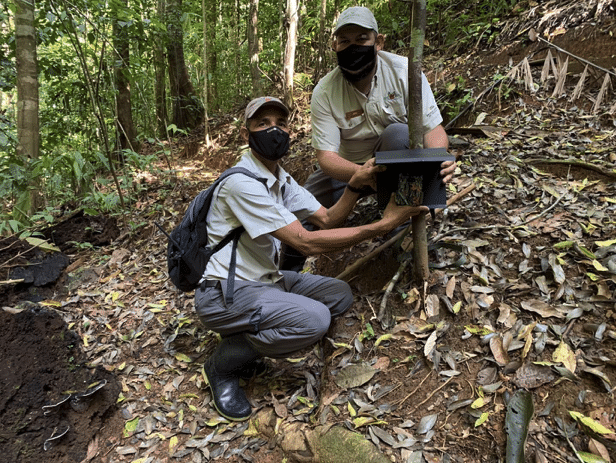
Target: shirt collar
253 164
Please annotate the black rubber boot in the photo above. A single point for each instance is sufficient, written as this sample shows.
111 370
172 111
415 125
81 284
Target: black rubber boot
223 369
255 368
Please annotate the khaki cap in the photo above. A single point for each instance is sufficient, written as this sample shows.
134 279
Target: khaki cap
260 102
358 15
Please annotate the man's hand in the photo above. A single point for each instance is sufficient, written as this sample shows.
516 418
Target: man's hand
400 214
365 176
447 170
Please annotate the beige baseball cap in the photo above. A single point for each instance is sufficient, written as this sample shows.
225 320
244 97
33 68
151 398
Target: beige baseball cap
358 15
260 102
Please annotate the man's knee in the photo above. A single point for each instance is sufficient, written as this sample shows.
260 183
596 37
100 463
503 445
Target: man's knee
316 321
345 299
394 137
302 327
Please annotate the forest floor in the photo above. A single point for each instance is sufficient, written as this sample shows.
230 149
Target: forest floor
107 365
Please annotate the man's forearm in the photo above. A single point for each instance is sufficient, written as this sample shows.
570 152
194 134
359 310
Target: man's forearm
336 214
335 166
323 241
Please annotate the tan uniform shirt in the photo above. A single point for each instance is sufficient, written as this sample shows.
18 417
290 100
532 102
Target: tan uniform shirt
243 201
349 123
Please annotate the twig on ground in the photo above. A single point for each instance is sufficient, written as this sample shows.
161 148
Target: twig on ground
573 162
431 395
386 324
415 390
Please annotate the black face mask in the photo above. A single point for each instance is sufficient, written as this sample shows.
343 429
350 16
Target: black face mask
272 144
357 61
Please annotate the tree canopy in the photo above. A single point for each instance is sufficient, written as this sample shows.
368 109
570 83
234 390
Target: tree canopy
113 75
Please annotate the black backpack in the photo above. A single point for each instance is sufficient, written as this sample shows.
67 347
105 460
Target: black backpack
187 250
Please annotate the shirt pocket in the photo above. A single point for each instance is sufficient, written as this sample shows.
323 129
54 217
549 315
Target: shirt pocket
350 128
395 110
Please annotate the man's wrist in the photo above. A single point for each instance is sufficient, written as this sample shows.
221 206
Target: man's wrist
353 189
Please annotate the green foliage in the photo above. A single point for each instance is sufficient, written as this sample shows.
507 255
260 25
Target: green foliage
456 96
464 25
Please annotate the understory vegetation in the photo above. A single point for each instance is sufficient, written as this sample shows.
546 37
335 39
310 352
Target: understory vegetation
82 162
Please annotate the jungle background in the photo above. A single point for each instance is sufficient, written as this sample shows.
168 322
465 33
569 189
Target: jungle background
115 114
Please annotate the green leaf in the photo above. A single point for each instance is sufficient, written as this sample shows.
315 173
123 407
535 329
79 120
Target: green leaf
585 251
383 338
591 423
484 417
519 413
478 403
589 457
599 267
42 244
182 357
565 355
476 330
363 420
130 426
369 330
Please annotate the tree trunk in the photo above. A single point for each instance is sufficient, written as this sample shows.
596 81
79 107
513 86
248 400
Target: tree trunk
187 108
27 103
253 49
289 52
238 45
323 40
125 138
212 66
160 92
205 78
418 24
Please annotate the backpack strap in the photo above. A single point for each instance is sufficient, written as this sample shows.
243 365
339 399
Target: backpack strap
231 277
234 234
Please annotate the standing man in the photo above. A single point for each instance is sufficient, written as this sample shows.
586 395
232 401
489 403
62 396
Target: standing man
360 108
274 312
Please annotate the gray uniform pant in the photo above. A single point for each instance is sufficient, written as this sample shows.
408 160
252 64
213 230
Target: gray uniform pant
276 319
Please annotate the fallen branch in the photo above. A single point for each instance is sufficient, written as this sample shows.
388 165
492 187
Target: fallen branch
360 262
18 255
386 323
398 403
575 162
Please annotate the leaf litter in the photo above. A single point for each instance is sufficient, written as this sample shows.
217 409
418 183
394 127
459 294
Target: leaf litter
530 308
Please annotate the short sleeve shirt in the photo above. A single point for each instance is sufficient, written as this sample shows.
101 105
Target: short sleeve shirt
347 122
242 201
